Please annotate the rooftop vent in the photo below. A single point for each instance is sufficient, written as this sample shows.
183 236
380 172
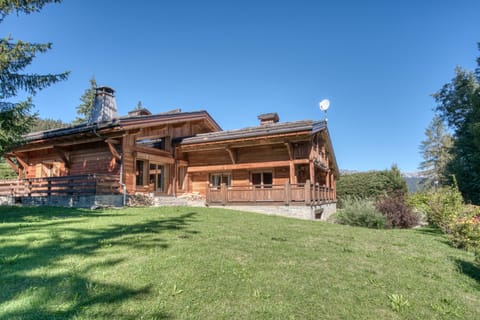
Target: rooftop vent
268 118
104 106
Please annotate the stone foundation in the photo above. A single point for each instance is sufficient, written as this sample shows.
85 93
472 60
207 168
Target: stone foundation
66 201
321 212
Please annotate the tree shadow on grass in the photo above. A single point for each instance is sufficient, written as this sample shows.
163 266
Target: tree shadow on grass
469 269
18 214
434 232
429 230
46 266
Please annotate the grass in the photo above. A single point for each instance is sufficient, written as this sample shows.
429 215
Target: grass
200 263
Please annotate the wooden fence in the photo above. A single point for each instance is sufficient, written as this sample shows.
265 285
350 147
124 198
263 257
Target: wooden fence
288 194
60 186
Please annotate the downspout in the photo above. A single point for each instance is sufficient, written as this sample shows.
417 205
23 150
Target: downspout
122 184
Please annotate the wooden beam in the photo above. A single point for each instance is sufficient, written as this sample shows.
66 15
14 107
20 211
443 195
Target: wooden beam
182 163
20 160
239 166
152 151
112 141
152 157
289 150
12 164
113 151
64 155
231 153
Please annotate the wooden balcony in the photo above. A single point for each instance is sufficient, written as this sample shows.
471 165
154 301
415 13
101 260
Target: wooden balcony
289 194
61 186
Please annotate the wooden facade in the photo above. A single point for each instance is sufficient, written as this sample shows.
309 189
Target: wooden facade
187 152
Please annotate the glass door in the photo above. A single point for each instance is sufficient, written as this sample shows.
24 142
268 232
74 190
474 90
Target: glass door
156 176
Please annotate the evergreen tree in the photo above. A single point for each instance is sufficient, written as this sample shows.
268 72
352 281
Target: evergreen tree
84 109
458 103
16 116
435 150
47 124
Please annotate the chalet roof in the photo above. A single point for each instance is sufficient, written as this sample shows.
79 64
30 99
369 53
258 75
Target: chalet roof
123 121
257 131
264 130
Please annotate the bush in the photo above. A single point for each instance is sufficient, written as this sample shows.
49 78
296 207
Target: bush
361 213
465 232
370 185
398 214
419 203
445 207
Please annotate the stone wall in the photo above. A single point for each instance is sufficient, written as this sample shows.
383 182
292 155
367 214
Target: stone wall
321 212
67 201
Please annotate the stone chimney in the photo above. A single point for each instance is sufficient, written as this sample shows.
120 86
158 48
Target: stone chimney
104 106
268 118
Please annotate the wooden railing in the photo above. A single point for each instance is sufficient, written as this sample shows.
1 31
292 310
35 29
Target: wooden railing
288 194
55 186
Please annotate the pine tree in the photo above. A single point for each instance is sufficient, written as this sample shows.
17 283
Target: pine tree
435 150
458 103
84 109
16 117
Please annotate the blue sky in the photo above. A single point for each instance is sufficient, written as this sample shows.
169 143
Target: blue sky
378 62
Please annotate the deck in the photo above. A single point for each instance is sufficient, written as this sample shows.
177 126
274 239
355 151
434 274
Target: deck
84 185
289 194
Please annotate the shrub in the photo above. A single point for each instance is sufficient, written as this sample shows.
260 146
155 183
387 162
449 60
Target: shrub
445 207
419 202
370 185
398 214
360 212
465 232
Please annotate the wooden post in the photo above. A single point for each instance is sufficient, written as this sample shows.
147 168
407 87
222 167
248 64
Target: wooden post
207 194
253 193
49 187
308 196
223 190
293 177
287 194
312 172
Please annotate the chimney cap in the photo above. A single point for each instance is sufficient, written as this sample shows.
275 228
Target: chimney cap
104 89
266 118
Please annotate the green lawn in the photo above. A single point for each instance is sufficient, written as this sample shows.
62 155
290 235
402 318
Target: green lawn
200 263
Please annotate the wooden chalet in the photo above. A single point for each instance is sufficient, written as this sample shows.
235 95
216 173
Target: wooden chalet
174 154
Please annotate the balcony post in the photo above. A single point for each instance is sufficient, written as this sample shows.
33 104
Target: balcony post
308 195
288 194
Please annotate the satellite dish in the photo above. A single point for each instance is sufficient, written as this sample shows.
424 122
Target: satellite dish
324 104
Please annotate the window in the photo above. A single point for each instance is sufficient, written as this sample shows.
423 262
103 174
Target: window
217 179
262 179
156 143
140 173
156 176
